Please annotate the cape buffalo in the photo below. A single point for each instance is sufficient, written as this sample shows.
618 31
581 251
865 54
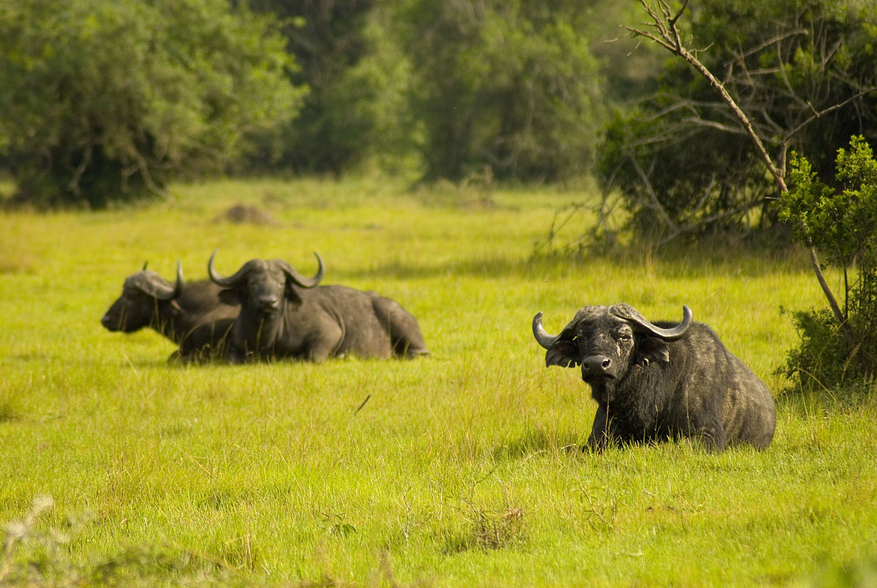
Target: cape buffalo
654 382
286 315
190 315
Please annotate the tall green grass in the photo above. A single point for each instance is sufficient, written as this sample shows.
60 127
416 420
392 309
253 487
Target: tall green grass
461 469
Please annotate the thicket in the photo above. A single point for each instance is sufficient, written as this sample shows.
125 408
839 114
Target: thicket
838 346
105 101
840 224
100 100
680 160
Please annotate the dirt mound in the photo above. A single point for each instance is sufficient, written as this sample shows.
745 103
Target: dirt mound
245 214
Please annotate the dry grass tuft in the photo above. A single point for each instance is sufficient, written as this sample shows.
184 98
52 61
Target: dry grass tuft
496 529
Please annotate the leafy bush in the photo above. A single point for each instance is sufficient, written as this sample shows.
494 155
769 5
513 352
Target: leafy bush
509 85
840 224
104 101
822 358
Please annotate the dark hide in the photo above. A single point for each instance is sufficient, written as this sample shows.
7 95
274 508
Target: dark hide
193 317
654 382
286 316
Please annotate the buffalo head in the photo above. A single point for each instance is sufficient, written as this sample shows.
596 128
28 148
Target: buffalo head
262 286
606 340
137 306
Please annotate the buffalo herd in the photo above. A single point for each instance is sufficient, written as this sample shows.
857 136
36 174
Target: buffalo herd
652 381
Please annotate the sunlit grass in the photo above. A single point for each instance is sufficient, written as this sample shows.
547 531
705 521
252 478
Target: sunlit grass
459 469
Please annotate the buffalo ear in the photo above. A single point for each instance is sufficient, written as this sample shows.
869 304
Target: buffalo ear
230 297
289 292
652 349
563 353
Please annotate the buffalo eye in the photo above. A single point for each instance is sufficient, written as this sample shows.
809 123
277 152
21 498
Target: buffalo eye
624 335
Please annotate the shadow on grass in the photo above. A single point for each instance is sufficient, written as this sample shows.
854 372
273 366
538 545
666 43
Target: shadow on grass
696 261
491 268
537 442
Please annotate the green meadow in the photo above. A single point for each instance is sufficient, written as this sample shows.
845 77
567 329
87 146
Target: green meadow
461 469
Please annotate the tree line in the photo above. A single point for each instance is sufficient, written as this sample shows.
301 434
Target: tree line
102 102
110 101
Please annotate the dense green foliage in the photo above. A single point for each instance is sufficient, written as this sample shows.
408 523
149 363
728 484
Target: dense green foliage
328 38
840 225
681 159
507 84
448 88
100 101
456 470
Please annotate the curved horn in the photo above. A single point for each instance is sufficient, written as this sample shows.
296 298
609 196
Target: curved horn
542 336
168 294
627 312
299 279
229 281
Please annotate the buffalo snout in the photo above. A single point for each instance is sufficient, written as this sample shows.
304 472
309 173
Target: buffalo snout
269 304
598 366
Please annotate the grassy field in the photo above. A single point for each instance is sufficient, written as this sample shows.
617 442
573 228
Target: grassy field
461 469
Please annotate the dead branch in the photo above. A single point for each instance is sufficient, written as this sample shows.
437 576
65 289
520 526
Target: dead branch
669 37
653 196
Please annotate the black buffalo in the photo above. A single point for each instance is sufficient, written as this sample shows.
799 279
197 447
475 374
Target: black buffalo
284 314
654 382
190 315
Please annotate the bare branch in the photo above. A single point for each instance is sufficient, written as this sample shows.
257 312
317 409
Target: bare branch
777 39
675 19
715 125
655 203
670 34
849 337
818 114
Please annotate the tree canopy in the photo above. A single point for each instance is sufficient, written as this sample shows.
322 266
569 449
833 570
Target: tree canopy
508 84
802 70
101 101
106 101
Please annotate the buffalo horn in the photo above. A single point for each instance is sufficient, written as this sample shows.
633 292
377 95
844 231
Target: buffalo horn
301 280
169 294
229 281
627 312
544 339
152 284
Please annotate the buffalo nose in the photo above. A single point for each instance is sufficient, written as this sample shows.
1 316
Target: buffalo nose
596 365
268 303
105 320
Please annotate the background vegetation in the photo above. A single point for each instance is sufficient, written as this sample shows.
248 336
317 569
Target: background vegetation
100 100
460 469
106 102
800 71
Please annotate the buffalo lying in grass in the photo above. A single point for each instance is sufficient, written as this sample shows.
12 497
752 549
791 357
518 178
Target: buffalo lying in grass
284 314
190 315
654 382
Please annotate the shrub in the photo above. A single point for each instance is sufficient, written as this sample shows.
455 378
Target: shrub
840 346
106 101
